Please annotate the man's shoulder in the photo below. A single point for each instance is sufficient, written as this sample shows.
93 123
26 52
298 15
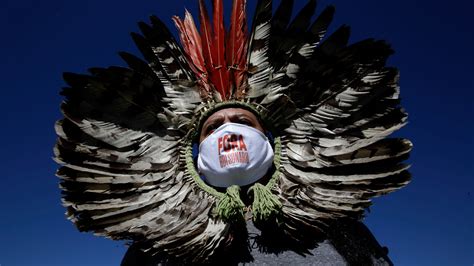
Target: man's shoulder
347 242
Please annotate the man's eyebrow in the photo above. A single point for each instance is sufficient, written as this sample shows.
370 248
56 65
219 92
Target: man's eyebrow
213 119
241 114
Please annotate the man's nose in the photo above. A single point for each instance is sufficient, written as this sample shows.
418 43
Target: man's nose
226 120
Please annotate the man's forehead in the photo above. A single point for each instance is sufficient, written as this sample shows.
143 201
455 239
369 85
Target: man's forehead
231 112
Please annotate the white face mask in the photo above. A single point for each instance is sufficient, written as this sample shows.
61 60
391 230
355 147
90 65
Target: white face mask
234 154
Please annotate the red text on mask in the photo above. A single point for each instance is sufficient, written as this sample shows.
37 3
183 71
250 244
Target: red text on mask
231 142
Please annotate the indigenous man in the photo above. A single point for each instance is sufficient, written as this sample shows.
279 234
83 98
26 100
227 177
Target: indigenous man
236 147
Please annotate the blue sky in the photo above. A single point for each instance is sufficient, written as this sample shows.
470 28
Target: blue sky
428 223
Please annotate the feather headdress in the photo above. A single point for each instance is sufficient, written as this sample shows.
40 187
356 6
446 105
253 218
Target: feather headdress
125 140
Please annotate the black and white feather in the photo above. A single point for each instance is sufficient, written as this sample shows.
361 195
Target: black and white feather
121 147
333 104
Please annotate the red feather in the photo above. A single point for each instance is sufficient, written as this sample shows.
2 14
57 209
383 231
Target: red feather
192 45
206 35
219 72
237 43
214 57
192 42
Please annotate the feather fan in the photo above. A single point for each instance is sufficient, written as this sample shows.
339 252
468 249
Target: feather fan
123 144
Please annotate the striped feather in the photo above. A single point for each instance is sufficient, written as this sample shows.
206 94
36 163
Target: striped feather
333 104
258 58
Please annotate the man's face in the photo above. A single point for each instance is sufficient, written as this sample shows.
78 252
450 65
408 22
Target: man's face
234 115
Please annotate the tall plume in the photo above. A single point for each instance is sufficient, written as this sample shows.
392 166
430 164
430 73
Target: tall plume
192 45
237 44
218 57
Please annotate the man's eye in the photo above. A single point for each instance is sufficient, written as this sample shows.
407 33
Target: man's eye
245 121
210 129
